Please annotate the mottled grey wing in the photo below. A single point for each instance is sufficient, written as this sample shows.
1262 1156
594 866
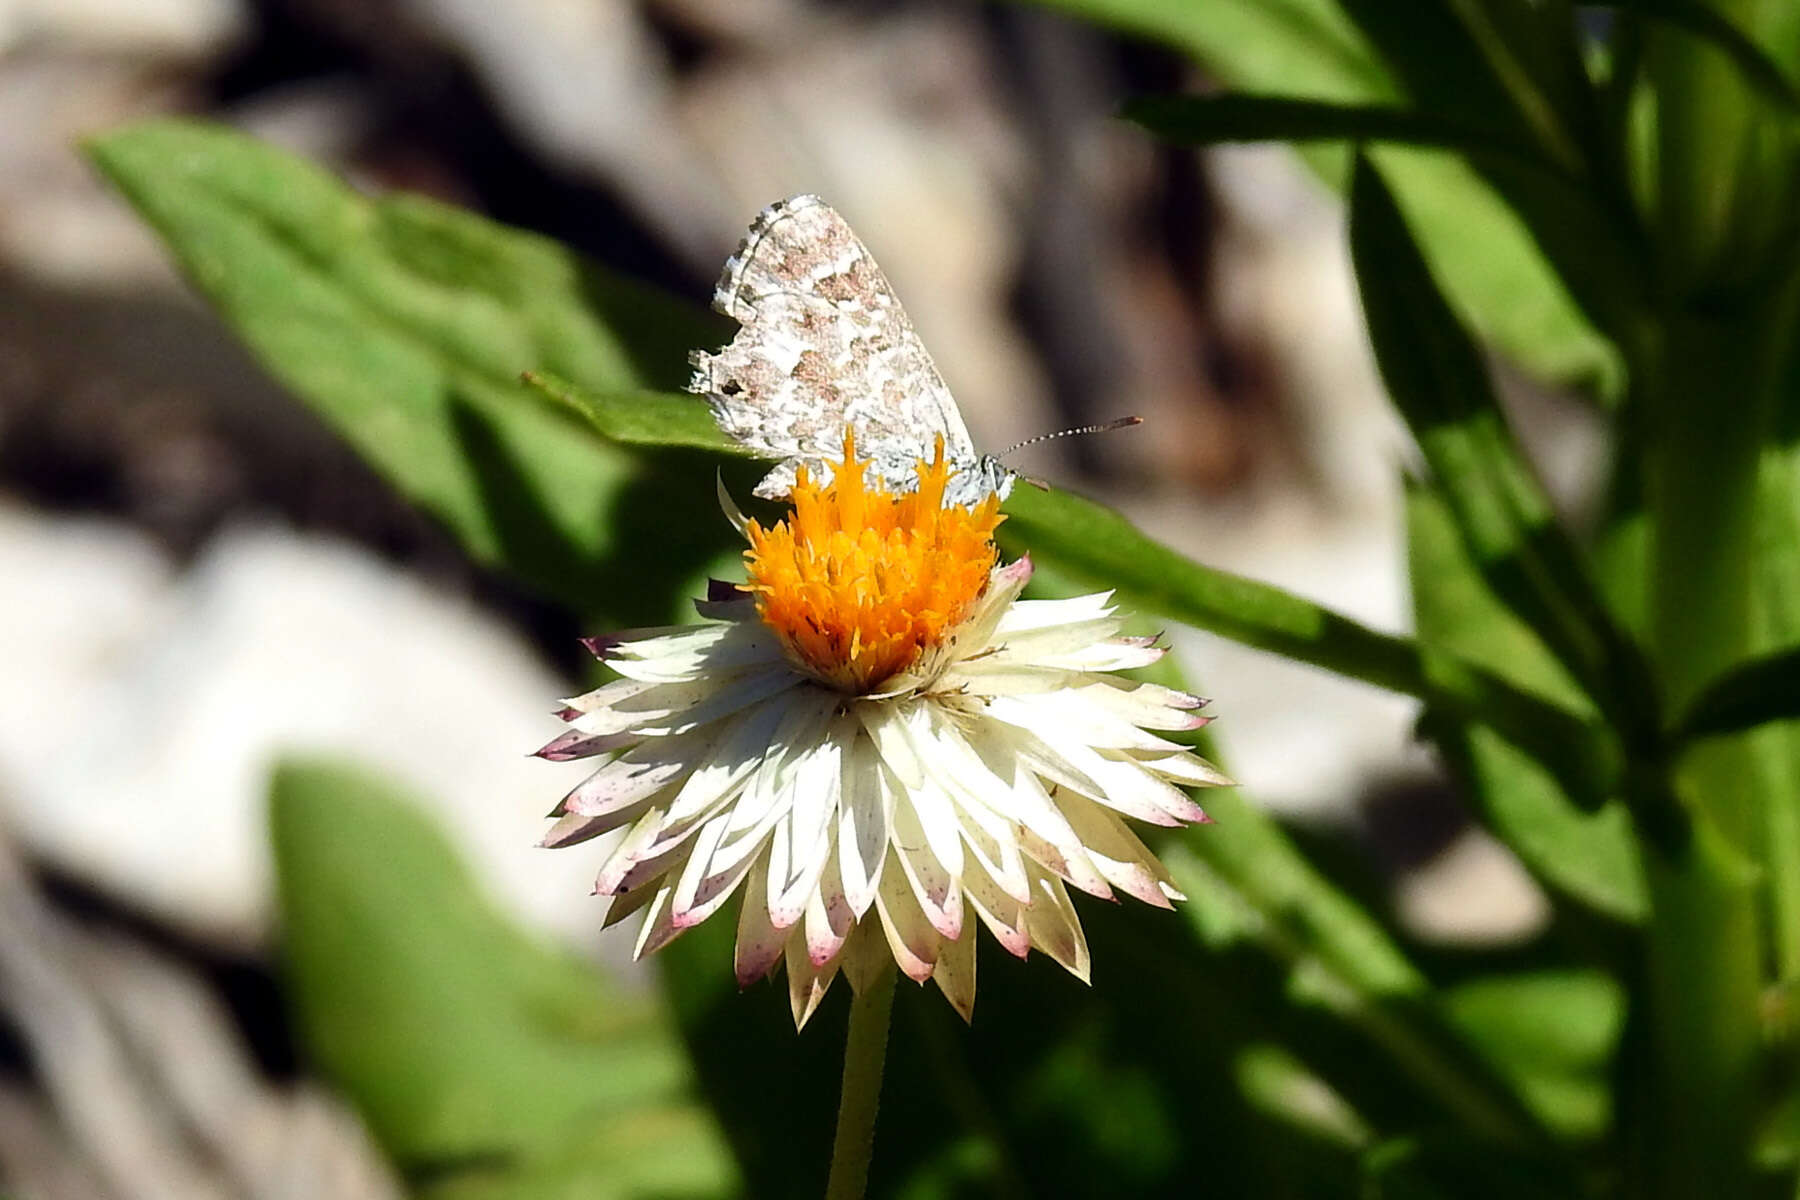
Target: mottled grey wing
823 343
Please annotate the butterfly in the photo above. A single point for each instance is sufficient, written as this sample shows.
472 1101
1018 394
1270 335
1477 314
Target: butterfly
823 344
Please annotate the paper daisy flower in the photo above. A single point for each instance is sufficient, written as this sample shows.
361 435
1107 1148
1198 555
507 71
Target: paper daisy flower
877 744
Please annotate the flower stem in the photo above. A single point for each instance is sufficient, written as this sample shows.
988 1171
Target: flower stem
865 1054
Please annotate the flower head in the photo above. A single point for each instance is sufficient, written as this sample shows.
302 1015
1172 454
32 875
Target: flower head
878 744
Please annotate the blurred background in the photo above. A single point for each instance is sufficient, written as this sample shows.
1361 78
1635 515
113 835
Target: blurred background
196 576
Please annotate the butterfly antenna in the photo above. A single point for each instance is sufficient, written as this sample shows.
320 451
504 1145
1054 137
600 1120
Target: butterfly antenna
1103 427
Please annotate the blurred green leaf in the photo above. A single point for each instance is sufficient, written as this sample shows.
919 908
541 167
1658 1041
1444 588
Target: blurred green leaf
1553 1033
1239 117
1761 690
1592 857
1706 22
1100 548
1299 47
1437 379
487 1064
1450 58
405 324
1777 747
1495 273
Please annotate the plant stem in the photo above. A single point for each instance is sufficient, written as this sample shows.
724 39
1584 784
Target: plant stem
865 1054
1709 399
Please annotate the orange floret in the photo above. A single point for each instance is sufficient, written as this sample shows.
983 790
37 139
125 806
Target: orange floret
858 582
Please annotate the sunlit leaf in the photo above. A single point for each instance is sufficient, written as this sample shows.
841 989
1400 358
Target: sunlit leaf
1553 1032
640 418
1761 690
405 325
1589 856
1492 266
484 1062
1706 22
1438 380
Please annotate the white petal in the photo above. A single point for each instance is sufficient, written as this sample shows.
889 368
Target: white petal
1117 852
885 722
1186 768
572 744
1028 615
1080 717
574 828
639 772
1003 914
760 807
1115 654
910 937
609 695
865 809
933 884
1002 677
689 654
806 984
828 916
699 865
730 508
624 905
955 974
629 853
728 696
657 930
739 752
1062 757
997 854
933 806
976 632
759 943
1055 929
804 831
1024 748
1147 705
1044 833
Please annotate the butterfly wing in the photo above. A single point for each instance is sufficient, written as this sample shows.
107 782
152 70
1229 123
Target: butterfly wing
823 343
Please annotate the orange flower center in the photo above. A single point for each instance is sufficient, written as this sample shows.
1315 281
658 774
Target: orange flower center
859 582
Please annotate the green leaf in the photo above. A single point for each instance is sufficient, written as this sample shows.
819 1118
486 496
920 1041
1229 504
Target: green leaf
483 1061
1495 273
1590 857
1553 1033
405 325
1707 23
638 418
1302 47
1777 747
1239 117
1437 379
1761 690
1100 548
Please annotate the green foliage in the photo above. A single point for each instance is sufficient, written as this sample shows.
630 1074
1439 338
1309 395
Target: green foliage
405 324
487 1065
1612 211
1492 266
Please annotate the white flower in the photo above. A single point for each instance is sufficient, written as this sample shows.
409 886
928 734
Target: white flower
878 743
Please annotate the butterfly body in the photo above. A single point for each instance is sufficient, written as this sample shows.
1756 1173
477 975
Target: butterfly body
825 345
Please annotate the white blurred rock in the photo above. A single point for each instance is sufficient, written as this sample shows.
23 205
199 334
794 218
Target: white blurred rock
587 83
1474 892
142 709
165 29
